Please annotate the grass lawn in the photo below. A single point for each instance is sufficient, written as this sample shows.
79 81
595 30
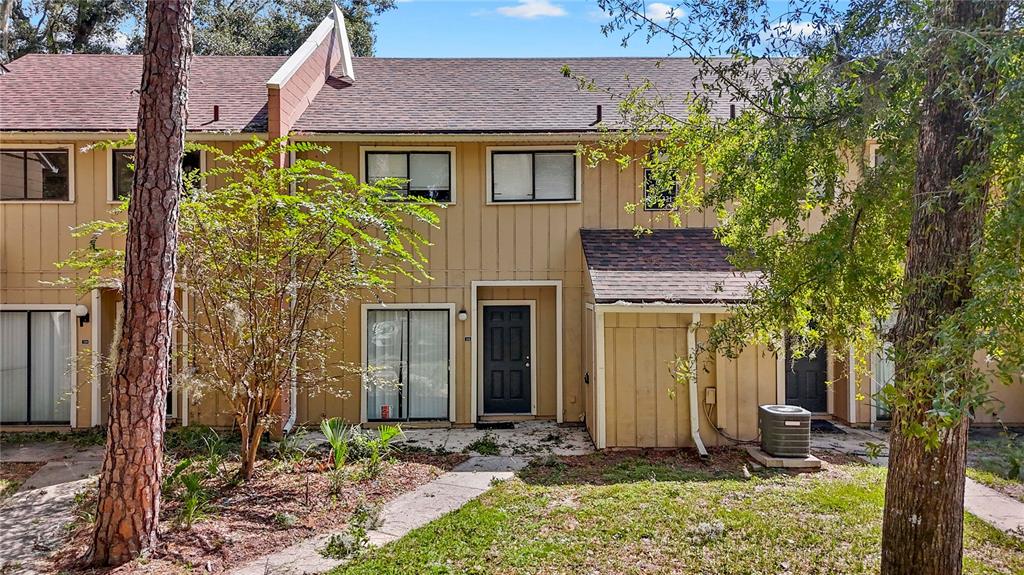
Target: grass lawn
661 513
989 457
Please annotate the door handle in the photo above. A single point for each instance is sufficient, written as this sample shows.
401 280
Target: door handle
527 362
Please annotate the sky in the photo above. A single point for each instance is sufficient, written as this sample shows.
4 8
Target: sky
504 28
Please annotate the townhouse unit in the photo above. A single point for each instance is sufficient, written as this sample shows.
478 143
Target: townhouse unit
542 302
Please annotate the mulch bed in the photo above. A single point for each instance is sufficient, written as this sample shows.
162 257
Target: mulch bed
245 521
14 474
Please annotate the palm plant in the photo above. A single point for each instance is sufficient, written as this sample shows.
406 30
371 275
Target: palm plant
337 434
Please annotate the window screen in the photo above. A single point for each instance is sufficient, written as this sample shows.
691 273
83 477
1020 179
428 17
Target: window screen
34 175
423 174
533 176
124 170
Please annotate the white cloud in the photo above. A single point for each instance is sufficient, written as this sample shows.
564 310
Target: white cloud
530 9
660 12
793 29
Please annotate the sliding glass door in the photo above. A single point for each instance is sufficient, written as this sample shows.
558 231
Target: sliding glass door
35 374
407 352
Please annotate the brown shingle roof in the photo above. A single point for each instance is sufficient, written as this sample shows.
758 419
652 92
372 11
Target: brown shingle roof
452 95
679 265
98 92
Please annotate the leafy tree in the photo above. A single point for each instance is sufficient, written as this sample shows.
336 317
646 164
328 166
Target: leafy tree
226 27
932 231
128 507
269 258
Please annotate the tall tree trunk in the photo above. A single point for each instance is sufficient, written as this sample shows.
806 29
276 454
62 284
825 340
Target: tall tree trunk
129 491
922 531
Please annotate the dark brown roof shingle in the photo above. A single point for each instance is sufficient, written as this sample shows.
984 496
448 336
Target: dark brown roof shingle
99 92
490 95
679 265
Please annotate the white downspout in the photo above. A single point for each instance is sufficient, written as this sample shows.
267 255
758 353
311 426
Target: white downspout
293 392
691 348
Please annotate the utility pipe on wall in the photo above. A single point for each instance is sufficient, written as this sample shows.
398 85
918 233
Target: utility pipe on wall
691 349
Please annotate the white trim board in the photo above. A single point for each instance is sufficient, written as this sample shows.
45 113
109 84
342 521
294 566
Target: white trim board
559 322
532 304
96 345
452 313
601 404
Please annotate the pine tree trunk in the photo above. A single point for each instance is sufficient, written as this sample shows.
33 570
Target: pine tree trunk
922 531
129 491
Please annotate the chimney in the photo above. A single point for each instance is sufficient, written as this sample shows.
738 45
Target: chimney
294 85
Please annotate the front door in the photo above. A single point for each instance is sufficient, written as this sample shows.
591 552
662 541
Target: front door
805 381
507 359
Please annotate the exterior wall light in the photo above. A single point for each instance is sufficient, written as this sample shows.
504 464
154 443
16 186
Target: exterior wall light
463 316
82 313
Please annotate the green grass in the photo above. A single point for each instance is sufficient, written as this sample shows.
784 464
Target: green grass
990 462
611 517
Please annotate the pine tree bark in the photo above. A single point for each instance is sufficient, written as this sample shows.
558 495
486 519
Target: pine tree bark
922 530
129 490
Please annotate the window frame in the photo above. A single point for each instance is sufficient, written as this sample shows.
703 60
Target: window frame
32 146
668 207
365 151
112 198
577 174
73 337
451 308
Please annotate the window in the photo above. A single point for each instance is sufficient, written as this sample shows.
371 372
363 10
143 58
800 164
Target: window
407 355
540 176
658 195
35 175
425 174
122 171
35 374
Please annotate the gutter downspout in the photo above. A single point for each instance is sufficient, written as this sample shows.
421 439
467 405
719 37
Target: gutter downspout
691 347
293 393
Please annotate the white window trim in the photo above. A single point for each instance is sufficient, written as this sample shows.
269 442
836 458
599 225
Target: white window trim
872 149
72 174
73 360
559 323
364 312
532 304
452 178
489 180
110 172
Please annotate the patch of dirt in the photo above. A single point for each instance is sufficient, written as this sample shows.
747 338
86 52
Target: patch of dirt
594 468
277 508
12 475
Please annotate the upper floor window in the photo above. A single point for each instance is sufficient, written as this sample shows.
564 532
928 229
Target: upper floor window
424 174
35 175
123 170
658 195
533 176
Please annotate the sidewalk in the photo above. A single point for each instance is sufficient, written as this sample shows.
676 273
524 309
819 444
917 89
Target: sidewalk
447 493
1001 511
33 520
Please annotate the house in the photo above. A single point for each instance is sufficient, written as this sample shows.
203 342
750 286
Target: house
543 303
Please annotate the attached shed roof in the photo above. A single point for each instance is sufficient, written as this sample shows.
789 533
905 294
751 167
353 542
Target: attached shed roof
492 95
99 92
679 265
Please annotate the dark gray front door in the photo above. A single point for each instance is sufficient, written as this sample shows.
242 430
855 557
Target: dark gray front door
507 359
805 381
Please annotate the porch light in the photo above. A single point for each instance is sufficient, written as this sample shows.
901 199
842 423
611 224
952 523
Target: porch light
463 316
82 313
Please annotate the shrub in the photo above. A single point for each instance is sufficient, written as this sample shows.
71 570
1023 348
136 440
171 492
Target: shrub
336 432
380 448
194 501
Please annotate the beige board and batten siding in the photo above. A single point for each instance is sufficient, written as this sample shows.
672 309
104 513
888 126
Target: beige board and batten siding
646 407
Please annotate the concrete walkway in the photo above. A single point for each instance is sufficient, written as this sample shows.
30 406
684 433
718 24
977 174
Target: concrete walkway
408 511
997 509
33 520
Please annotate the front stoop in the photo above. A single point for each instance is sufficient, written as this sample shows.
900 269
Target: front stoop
809 462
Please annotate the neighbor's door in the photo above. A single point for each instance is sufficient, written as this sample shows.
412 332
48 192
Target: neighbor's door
806 381
507 372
